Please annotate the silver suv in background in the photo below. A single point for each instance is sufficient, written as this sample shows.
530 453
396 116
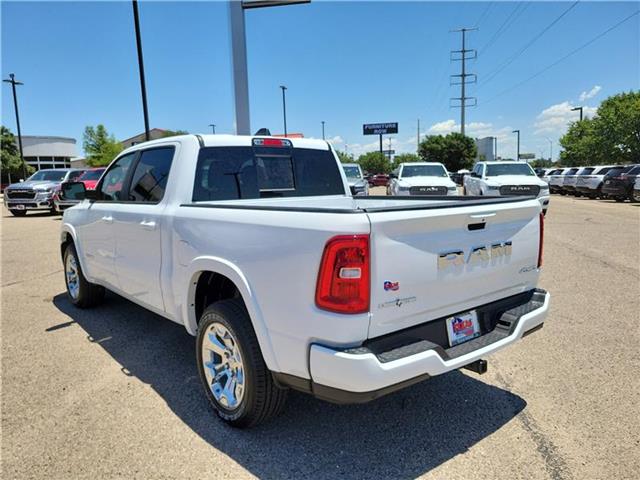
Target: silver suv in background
590 180
357 183
36 192
556 178
569 180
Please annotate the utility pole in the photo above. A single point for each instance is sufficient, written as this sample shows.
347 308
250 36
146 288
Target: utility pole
578 108
495 153
389 148
143 88
213 127
518 149
418 142
322 129
464 77
381 145
284 109
12 80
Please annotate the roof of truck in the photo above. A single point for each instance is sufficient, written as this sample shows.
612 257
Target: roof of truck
223 140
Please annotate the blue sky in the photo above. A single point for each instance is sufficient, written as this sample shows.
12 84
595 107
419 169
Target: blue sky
346 63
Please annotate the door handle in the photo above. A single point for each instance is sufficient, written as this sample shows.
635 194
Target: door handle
107 219
148 224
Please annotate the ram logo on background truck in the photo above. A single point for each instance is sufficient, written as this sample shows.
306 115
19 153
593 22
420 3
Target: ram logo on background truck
256 246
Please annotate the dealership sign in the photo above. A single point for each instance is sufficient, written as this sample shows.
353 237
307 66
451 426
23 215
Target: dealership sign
379 128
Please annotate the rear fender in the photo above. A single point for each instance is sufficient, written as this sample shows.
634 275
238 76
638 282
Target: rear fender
233 273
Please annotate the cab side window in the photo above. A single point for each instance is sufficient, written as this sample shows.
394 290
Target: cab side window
149 179
112 184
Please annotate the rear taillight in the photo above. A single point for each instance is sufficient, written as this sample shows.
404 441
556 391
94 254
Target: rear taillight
541 243
343 279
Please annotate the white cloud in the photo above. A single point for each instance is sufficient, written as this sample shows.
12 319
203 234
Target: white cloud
555 119
590 94
443 128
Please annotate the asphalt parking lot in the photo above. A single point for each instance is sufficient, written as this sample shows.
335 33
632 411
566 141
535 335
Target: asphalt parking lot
114 392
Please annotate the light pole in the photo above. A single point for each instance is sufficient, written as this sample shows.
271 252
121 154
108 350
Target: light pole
578 108
322 129
518 149
239 56
213 127
143 88
12 80
284 109
550 148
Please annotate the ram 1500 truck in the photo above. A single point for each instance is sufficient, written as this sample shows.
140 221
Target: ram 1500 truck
256 246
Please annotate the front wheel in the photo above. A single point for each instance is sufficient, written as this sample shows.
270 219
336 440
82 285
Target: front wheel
237 382
80 292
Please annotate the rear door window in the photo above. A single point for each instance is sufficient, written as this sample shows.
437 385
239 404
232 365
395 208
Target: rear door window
587 171
229 173
635 170
149 179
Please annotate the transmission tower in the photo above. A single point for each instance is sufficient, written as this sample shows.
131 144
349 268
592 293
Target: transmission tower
463 78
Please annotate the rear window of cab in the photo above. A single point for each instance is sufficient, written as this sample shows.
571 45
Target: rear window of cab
231 173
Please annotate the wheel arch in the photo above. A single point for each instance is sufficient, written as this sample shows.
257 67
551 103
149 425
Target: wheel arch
69 236
205 271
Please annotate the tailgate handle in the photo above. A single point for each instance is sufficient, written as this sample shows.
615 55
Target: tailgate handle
476 226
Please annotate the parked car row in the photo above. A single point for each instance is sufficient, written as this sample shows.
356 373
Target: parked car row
42 190
602 181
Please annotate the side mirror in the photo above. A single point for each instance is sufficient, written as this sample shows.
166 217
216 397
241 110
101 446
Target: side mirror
393 175
74 191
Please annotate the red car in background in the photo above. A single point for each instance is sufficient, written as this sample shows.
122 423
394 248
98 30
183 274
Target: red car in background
90 177
379 180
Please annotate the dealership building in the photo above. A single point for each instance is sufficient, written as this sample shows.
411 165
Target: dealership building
48 152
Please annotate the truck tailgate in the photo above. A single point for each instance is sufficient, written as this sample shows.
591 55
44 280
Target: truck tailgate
427 264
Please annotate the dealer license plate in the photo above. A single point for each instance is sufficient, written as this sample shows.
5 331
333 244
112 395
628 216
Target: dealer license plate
462 327
19 207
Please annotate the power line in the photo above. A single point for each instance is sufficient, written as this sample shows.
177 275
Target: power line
484 14
572 52
513 16
510 60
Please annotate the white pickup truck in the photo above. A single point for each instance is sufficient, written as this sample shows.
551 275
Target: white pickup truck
257 247
506 178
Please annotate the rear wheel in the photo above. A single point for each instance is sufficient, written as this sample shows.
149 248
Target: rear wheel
237 382
80 292
17 213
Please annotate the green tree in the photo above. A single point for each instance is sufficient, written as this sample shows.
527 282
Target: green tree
11 162
345 157
405 158
612 136
541 163
100 147
579 147
374 162
455 151
173 133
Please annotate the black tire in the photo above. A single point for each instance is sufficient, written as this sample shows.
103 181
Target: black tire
89 294
620 199
262 398
18 213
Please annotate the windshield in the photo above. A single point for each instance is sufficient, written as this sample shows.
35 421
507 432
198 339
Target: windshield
48 175
496 169
92 175
423 171
352 172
